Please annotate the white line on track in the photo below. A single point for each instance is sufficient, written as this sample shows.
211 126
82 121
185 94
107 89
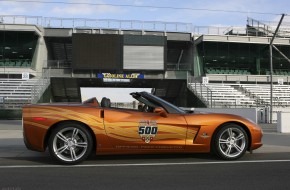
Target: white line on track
140 164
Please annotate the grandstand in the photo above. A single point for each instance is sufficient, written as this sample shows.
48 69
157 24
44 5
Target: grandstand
222 95
62 55
235 95
15 93
281 94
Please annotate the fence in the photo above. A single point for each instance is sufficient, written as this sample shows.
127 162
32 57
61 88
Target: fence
84 23
200 90
40 86
53 22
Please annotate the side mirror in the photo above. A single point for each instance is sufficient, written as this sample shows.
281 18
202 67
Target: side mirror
160 111
92 102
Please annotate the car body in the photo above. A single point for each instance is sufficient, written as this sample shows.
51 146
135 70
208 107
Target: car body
72 131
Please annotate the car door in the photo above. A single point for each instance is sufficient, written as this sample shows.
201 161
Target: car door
150 132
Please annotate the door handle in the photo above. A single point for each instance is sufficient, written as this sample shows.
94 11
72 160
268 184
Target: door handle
102 113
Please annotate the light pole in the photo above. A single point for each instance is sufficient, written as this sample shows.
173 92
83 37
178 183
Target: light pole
271 69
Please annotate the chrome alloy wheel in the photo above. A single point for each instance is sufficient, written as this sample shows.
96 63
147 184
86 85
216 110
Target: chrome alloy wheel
70 144
232 142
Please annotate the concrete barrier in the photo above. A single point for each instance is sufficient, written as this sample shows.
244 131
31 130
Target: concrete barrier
283 122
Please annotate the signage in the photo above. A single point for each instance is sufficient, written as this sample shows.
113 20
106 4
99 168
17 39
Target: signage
204 80
120 76
25 76
280 81
147 130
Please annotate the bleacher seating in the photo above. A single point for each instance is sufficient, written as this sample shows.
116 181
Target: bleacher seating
241 95
225 95
15 63
15 92
227 71
243 71
281 93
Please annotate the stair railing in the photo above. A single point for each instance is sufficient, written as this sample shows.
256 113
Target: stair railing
40 86
200 90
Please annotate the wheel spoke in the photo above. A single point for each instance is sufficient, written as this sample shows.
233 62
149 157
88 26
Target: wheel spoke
73 154
230 132
223 141
228 151
61 149
241 136
75 133
239 149
82 144
61 137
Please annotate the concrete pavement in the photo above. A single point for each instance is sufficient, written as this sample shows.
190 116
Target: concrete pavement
18 166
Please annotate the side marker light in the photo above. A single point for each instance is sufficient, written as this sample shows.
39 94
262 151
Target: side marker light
39 119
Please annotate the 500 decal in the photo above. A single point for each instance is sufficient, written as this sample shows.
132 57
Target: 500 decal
147 130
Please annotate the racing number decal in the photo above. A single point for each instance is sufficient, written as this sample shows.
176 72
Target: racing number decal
147 130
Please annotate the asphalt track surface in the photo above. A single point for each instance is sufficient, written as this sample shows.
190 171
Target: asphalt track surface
267 168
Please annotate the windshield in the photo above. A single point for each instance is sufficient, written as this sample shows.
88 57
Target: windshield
154 101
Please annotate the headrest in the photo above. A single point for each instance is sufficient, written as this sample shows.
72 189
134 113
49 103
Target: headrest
106 102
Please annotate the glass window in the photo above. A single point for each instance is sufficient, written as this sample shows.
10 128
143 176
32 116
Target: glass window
235 58
17 48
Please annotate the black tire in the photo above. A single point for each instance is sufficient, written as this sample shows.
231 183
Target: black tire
230 142
70 143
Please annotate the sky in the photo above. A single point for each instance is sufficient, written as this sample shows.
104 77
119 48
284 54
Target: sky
115 94
196 12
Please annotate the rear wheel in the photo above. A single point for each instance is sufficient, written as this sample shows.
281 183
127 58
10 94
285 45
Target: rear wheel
230 142
70 143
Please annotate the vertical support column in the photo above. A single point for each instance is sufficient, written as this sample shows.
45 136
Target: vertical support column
271 68
258 66
271 82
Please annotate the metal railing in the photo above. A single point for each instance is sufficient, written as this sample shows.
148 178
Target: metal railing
40 86
54 22
200 90
57 63
15 92
269 27
62 64
116 24
21 19
178 66
269 23
85 23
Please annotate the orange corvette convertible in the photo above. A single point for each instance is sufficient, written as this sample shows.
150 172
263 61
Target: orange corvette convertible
72 131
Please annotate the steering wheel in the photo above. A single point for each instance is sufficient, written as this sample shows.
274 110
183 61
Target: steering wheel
147 108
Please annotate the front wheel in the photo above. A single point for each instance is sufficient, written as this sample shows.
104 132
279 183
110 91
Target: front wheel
230 142
70 143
